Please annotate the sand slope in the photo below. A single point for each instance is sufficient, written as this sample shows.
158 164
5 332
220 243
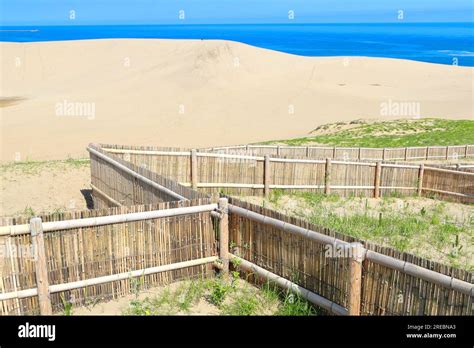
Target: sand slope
44 187
200 93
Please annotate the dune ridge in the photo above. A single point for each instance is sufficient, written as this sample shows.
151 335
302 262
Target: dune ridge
195 93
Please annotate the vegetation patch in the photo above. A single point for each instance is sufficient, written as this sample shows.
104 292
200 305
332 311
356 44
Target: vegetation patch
398 133
436 230
221 296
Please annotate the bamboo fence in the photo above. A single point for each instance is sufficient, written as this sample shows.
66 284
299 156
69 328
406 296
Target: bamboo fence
352 153
79 254
243 174
84 261
278 255
384 290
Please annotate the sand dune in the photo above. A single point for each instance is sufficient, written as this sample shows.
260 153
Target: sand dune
199 93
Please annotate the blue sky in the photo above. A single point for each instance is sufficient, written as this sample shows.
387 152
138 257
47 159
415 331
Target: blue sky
57 12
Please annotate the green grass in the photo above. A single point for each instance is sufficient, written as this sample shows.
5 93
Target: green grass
291 304
219 289
169 302
67 306
399 133
246 303
29 212
294 305
229 295
275 195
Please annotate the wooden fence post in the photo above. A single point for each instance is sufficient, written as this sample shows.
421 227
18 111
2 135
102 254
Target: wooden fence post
465 152
224 234
421 171
359 155
327 177
266 176
378 172
406 153
427 152
334 152
384 153
447 152
355 281
194 170
41 267
278 150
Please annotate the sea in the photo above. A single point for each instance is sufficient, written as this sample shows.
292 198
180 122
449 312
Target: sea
440 43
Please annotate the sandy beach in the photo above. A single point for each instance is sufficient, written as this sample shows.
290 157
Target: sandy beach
56 97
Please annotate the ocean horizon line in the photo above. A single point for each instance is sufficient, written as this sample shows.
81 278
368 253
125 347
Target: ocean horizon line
448 43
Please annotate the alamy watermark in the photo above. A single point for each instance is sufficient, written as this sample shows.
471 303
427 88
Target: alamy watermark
400 15
23 251
237 156
291 109
28 330
343 250
28 251
75 109
400 108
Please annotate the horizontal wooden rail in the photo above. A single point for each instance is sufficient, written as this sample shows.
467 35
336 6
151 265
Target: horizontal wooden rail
224 148
408 158
296 160
458 194
109 278
147 152
397 264
393 165
449 171
398 187
224 155
288 285
135 174
368 164
309 187
107 220
460 166
231 185
277 186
